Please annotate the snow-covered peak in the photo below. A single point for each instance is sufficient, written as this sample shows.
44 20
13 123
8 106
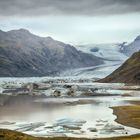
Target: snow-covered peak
137 38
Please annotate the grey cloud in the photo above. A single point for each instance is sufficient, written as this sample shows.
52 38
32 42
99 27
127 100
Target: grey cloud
67 7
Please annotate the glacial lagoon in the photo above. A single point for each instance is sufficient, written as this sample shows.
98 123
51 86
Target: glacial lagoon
79 115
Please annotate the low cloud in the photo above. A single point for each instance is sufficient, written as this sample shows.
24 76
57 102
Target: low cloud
67 7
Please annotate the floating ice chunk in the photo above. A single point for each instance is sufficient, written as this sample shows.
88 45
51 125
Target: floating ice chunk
69 122
29 127
113 127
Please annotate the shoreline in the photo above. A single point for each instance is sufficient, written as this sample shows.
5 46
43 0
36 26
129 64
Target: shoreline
128 115
13 135
123 112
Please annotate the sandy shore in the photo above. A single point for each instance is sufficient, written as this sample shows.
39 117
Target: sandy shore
128 115
13 135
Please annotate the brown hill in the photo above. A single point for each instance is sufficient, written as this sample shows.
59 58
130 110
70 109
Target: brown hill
129 72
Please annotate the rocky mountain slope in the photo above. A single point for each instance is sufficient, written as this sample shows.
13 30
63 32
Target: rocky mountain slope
23 54
129 72
131 48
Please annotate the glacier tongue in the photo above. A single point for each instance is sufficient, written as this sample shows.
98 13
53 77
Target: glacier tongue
111 55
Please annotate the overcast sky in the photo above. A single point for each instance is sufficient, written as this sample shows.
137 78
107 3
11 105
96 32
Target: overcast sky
74 21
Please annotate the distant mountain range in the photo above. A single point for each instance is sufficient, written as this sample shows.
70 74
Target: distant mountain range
115 52
23 54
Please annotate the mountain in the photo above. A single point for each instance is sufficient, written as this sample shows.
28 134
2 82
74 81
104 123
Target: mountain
23 54
132 47
129 72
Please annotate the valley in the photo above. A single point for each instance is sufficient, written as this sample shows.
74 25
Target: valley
73 101
69 69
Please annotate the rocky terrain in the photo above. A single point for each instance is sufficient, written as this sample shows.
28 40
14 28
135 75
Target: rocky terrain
23 54
129 72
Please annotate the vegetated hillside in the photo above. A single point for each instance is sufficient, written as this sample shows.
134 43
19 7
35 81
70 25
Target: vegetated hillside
23 54
129 72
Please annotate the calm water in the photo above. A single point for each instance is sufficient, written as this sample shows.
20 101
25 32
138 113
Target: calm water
48 111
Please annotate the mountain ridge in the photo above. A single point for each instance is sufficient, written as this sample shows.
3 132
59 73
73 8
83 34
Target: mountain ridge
23 54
